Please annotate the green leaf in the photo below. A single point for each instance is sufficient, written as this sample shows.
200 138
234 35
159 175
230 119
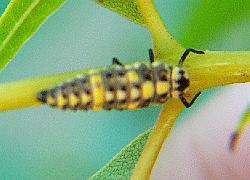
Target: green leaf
19 21
121 166
127 8
211 17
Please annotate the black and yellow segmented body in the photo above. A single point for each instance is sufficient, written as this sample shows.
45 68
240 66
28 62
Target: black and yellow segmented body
125 87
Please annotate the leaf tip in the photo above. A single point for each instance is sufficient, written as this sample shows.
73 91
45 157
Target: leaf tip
234 139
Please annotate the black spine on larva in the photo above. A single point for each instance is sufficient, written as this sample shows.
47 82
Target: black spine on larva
42 96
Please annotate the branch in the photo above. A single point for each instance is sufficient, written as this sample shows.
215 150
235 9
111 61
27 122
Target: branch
209 70
206 71
21 94
164 44
159 133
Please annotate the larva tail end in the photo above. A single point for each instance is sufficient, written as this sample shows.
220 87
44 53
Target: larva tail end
42 96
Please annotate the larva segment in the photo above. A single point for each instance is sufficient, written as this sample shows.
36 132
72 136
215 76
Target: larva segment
147 85
71 92
110 89
62 101
162 81
134 87
122 91
51 98
86 95
180 80
96 83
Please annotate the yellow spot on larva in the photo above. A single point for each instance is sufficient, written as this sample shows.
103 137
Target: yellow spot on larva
134 93
73 100
109 96
161 88
51 100
85 98
175 74
120 95
133 105
147 90
98 91
132 76
61 101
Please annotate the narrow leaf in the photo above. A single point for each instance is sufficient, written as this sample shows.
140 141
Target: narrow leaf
126 8
19 21
121 166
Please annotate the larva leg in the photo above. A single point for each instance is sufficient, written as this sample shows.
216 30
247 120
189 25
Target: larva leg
186 53
183 57
151 55
115 61
189 104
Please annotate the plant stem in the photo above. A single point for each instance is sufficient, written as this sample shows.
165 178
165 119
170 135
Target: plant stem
21 94
156 138
164 44
208 70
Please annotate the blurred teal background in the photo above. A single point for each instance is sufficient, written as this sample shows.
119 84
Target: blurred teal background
45 143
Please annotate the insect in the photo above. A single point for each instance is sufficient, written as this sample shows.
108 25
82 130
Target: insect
122 87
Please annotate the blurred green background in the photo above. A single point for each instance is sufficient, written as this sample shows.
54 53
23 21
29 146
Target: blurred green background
45 143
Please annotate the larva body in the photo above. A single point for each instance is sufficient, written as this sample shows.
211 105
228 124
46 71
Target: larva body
119 87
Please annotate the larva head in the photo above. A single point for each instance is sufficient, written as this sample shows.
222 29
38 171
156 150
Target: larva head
180 82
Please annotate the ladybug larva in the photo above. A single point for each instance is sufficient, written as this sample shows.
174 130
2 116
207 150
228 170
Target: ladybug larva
122 87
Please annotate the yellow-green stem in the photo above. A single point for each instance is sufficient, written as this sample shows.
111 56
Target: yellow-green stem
21 94
209 70
156 138
164 44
